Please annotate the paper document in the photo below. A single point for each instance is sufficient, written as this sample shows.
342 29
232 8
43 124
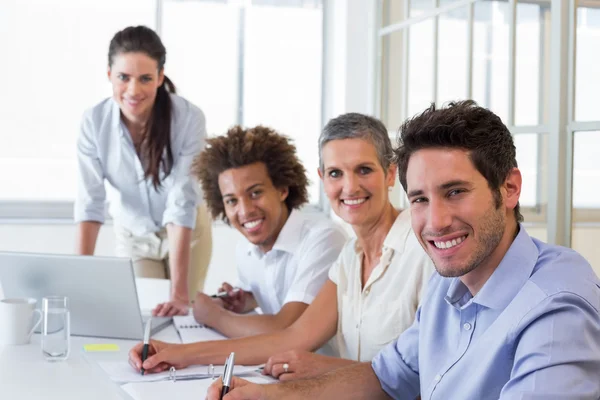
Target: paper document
191 331
192 390
121 371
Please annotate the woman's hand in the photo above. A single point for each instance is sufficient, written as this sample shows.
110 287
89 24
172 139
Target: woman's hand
161 356
298 364
173 307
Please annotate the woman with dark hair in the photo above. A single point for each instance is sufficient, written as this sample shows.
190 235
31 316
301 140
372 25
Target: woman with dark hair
142 142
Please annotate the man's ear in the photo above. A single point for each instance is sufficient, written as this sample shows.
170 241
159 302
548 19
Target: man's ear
512 188
108 73
320 173
283 193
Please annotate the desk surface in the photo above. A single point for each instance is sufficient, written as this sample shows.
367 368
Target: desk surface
25 375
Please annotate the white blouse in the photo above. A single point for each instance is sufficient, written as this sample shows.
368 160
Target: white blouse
371 317
105 152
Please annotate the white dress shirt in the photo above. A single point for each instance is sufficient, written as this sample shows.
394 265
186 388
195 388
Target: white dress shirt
296 267
371 317
105 151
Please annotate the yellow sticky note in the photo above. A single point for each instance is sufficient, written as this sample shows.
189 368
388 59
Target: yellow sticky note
101 347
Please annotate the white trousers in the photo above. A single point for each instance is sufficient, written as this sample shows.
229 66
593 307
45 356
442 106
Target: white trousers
150 252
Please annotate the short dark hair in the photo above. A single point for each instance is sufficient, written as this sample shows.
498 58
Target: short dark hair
463 125
240 147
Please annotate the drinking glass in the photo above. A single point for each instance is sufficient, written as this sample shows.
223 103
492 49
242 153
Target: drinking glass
56 331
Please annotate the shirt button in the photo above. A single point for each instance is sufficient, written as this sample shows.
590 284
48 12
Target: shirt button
437 377
367 291
467 326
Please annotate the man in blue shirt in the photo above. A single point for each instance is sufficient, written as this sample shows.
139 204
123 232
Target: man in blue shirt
507 316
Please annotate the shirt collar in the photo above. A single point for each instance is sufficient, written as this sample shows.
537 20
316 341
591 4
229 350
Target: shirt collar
287 240
509 277
116 122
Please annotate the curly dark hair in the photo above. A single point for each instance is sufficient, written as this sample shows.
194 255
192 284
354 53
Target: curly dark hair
240 147
467 126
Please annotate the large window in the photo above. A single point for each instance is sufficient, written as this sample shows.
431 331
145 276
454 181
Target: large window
503 55
53 68
242 62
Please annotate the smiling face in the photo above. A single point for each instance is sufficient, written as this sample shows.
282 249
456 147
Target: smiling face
253 205
455 215
354 180
135 78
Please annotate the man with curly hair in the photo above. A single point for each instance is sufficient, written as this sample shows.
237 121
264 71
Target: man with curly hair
253 180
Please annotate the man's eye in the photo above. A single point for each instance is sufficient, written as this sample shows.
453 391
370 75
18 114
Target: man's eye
419 200
146 79
256 193
230 202
335 173
365 170
455 192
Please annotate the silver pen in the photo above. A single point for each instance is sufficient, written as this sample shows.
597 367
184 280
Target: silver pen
228 374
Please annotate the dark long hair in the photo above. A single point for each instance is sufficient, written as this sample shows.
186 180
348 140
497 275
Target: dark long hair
155 149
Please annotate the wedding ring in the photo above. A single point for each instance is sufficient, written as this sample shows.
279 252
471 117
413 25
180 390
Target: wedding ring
286 366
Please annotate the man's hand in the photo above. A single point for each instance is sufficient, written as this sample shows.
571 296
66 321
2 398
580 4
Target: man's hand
235 300
240 390
298 364
161 356
170 308
205 308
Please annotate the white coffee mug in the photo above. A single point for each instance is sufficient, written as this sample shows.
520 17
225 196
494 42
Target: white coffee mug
16 320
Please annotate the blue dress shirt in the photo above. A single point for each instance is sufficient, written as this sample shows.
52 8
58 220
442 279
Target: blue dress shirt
532 332
105 151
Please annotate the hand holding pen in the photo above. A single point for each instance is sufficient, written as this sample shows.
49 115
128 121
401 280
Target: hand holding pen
227 375
146 343
234 299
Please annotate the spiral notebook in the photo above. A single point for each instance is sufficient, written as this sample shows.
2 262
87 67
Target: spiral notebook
122 372
191 331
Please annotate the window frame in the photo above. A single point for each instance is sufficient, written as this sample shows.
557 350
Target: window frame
557 215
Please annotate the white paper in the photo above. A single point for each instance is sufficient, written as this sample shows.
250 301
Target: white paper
191 331
121 371
180 390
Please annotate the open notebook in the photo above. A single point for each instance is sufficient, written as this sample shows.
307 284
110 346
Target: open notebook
191 331
122 372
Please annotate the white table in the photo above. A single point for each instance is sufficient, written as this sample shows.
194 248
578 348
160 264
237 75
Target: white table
25 375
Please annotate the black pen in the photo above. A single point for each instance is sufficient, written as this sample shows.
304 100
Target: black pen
146 342
228 374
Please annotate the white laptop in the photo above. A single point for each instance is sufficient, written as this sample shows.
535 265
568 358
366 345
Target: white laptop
102 293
